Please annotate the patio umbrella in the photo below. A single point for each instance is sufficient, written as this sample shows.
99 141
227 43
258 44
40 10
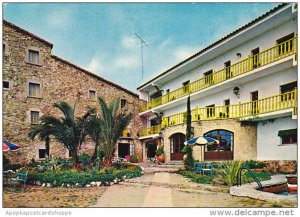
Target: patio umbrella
201 140
7 146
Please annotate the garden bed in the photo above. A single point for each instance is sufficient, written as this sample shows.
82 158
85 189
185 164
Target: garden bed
74 178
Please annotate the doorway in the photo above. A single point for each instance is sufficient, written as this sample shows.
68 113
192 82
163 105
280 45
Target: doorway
254 104
151 148
176 145
123 150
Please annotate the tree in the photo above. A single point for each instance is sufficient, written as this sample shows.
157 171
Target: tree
68 130
44 132
189 161
93 126
113 124
188 120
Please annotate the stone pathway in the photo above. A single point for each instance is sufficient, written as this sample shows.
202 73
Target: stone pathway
170 190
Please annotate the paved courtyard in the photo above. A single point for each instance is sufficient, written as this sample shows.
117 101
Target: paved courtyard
171 190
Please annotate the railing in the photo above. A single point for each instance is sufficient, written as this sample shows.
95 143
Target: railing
253 108
263 58
150 130
125 133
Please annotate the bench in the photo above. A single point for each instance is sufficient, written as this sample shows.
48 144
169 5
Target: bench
20 177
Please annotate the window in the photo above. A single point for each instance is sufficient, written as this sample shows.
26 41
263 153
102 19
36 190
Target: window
92 94
228 69
34 117
287 89
42 153
6 85
225 139
34 89
288 136
255 57
285 44
33 56
124 104
208 78
131 149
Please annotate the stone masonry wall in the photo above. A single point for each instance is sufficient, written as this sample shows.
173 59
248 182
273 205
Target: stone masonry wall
60 81
244 137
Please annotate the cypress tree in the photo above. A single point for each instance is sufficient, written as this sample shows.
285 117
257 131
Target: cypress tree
189 162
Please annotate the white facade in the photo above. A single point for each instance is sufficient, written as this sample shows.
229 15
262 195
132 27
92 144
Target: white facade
269 146
267 79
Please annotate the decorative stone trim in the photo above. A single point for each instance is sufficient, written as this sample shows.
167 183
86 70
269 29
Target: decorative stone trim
88 94
40 60
34 82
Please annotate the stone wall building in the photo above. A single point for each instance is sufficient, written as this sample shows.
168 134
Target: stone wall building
34 79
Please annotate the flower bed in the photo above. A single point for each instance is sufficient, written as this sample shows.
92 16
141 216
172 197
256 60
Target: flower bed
74 178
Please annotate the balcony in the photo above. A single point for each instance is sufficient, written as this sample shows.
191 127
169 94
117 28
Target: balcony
150 131
271 55
242 111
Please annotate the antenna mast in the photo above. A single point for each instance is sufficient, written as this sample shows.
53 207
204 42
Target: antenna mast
143 43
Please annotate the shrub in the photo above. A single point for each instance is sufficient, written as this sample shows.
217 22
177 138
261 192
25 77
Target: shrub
189 161
72 177
85 159
251 164
134 159
262 176
160 150
203 179
230 172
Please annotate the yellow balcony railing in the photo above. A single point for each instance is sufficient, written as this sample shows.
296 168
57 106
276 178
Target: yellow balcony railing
150 130
253 108
263 58
125 133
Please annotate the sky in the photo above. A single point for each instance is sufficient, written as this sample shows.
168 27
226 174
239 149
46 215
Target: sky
101 37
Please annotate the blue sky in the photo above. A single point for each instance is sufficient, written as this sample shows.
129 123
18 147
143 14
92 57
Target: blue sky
101 37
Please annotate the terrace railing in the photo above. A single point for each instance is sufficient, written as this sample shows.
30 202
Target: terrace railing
150 130
263 58
270 104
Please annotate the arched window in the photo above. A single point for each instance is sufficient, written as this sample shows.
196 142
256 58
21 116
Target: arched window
176 145
223 150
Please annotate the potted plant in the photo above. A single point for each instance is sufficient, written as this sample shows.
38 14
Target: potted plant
160 154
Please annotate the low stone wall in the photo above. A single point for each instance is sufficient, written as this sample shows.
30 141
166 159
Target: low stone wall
282 166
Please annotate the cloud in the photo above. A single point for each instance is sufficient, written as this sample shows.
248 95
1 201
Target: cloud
96 65
128 62
184 52
129 42
60 18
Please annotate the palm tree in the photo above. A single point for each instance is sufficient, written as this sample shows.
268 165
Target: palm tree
67 130
113 124
43 130
93 126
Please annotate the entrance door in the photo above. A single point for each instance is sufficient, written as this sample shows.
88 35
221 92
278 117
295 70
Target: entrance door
123 150
254 104
177 144
151 148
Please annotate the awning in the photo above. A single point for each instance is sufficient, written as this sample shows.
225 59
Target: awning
291 132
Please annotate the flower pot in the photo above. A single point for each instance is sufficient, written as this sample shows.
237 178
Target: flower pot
161 158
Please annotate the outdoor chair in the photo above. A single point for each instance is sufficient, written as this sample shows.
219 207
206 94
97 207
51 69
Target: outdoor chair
209 169
198 168
20 177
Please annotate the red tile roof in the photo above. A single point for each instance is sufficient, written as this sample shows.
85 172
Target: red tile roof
27 33
217 42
